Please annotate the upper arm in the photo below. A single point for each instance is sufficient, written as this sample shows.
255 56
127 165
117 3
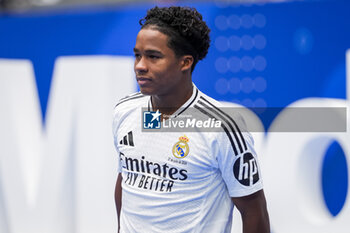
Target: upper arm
238 163
118 197
118 191
254 212
255 202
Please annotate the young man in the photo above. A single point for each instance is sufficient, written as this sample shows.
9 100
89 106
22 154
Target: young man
171 182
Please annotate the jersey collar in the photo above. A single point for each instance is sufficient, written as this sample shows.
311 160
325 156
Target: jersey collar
185 106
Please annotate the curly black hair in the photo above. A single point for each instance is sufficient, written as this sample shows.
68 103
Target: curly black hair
188 33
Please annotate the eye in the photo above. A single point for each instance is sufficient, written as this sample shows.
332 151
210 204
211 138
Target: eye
137 55
153 57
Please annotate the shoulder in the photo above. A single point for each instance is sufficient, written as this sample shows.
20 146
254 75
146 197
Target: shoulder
223 111
205 100
131 99
128 104
233 129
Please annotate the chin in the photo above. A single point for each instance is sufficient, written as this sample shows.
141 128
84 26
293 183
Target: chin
146 91
151 91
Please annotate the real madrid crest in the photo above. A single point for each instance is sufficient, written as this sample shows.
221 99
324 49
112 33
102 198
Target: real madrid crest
181 148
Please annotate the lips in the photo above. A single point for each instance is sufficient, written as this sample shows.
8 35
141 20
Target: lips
143 80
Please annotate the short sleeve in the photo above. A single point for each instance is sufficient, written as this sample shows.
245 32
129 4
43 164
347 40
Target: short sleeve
237 160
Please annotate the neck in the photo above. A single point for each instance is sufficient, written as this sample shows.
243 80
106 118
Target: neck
167 104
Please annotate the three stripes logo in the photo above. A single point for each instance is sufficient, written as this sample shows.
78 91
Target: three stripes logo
127 140
227 123
245 169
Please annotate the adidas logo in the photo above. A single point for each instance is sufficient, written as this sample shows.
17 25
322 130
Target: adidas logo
127 140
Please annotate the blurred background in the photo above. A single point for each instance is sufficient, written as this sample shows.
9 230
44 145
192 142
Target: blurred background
65 63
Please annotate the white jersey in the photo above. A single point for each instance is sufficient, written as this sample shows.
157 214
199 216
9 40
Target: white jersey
176 182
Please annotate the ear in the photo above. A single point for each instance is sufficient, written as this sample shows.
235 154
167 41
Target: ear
186 63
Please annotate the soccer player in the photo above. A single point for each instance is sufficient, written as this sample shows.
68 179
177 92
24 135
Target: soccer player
171 181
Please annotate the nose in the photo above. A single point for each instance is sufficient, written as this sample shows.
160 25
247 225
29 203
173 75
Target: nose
140 66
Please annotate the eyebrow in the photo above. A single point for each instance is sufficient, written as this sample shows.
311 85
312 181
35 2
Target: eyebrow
149 51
